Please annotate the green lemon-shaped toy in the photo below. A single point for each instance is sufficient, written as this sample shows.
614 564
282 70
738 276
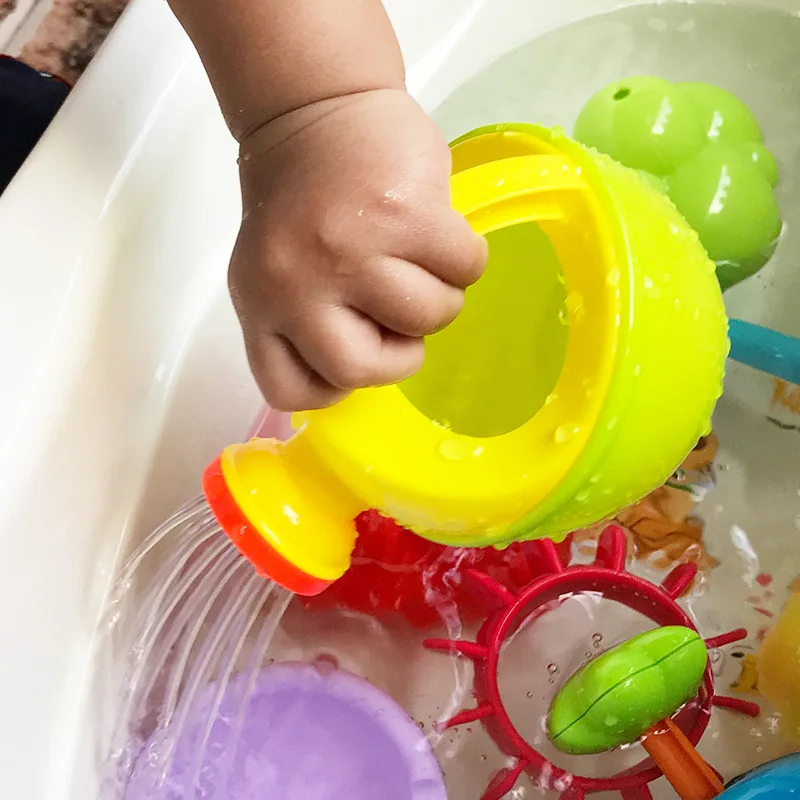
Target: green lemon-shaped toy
618 696
702 146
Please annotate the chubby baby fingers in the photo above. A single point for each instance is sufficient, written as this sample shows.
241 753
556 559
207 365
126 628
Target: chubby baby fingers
404 298
351 351
287 382
444 244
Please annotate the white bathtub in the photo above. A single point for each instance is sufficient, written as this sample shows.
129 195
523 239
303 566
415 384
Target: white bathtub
121 362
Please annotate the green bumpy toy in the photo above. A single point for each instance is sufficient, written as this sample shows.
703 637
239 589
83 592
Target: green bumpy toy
620 695
702 147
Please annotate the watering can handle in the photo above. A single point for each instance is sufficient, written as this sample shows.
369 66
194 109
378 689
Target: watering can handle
511 191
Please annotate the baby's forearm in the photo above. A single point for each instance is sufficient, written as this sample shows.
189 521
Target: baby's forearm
268 57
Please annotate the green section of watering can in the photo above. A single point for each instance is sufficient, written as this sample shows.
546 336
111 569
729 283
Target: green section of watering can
618 696
703 147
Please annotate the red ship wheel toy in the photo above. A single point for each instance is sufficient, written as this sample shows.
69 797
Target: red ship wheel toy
608 578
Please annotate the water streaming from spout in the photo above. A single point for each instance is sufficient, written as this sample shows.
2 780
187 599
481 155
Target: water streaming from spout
168 658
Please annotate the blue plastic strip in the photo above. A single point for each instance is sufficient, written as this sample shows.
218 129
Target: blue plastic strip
765 350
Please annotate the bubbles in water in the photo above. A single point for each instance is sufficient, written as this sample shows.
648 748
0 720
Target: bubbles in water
597 639
326 664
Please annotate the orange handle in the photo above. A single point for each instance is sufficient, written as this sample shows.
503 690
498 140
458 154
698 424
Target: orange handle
690 776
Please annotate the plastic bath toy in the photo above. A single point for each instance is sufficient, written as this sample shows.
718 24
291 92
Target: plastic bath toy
619 696
507 612
523 422
701 146
395 572
779 669
779 780
307 733
631 693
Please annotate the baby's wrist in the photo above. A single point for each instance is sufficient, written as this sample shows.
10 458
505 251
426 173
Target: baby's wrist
266 134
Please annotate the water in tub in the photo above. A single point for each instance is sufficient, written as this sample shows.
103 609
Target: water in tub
735 511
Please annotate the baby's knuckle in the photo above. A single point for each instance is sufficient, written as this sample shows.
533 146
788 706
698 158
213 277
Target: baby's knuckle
430 317
423 319
348 371
282 398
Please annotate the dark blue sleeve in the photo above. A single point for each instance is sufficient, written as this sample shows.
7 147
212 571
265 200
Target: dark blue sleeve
28 102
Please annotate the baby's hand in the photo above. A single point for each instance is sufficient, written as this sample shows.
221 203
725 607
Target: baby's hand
349 252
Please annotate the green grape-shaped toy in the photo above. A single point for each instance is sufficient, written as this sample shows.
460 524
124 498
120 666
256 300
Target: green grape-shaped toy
701 146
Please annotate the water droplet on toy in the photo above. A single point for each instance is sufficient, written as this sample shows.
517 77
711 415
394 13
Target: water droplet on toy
587 655
597 639
612 423
594 479
637 370
574 306
560 278
582 496
563 433
529 695
613 277
651 288
246 156
551 398
459 449
696 314
552 669
611 720
562 316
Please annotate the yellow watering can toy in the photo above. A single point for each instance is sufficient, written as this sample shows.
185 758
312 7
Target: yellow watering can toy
584 367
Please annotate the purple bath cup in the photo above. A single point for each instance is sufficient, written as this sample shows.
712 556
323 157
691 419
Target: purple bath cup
308 733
